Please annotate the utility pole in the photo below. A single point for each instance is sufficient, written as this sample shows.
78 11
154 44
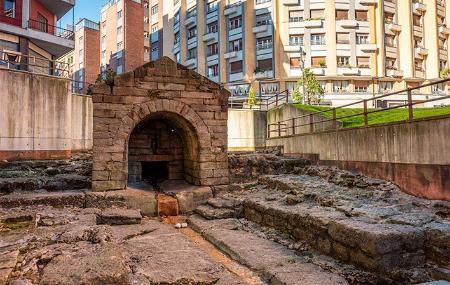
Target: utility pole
302 59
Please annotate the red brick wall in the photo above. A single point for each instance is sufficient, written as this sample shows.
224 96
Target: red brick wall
17 20
134 35
91 54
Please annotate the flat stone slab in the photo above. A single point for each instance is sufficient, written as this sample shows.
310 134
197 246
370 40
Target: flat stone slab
275 263
55 199
119 216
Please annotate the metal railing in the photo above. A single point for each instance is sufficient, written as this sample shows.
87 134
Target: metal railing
50 29
262 102
310 122
33 64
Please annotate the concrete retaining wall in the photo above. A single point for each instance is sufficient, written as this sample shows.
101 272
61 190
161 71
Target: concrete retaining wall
416 156
247 129
39 117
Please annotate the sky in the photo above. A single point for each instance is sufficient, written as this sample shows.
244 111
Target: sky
83 9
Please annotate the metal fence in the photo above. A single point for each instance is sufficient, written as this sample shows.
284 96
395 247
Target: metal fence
262 102
311 123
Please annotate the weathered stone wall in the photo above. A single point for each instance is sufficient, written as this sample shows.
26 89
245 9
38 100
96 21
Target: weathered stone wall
415 156
40 118
165 90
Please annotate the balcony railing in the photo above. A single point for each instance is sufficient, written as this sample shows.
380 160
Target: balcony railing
50 29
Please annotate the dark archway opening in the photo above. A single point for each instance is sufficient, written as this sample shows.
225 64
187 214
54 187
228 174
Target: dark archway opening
162 147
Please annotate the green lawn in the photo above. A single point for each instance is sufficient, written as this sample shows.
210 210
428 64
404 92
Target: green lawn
394 115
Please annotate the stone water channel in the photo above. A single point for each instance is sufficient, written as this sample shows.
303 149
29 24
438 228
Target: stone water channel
280 221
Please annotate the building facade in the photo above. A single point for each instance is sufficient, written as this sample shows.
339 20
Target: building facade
353 46
122 39
29 37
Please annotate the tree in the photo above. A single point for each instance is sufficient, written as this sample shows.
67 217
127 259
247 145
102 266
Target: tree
251 100
106 75
296 93
313 90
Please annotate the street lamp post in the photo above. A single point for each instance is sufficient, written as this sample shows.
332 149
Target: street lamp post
302 59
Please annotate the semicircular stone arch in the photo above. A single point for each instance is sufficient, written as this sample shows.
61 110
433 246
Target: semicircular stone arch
188 101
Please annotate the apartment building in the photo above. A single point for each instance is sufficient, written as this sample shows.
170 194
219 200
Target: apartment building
86 58
122 38
29 37
356 48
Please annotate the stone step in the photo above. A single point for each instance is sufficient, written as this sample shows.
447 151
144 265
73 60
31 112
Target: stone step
211 213
271 261
224 203
118 216
54 199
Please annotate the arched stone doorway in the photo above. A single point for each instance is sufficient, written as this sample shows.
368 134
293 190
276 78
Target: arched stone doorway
164 96
163 146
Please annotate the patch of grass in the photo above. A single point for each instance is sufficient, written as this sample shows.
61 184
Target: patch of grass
386 116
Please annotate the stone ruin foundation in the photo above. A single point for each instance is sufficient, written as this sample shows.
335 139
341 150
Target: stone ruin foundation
160 122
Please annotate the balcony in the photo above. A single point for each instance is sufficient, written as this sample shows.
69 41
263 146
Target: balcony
396 28
368 2
261 29
318 71
233 10
419 8
57 41
191 63
394 73
444 30
368 48
190 21
292 48
209 37
348 71
420 52
348 23
312 23
290 2
58 7
231 54
263 73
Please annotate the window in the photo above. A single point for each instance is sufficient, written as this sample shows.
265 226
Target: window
390 41
417 20
119 45
192 32
177 38
146 34
119 30
342 38
236 67
363 61
343 61
80 41
119 14
213 70
270 87
9 8
418 64
192 53
154 9
212 27
296 40
340 86
263 19
317 14
317 39
212 49
235 45
391 63
418 42
178 57
318 61
295 62
341 14
361 86
192 12
263 65
262 1
154 28
442 43
362 39
442 64
295 16
104 39
176 18
361 15
264 43
235 23
389 17
212 6
385 86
